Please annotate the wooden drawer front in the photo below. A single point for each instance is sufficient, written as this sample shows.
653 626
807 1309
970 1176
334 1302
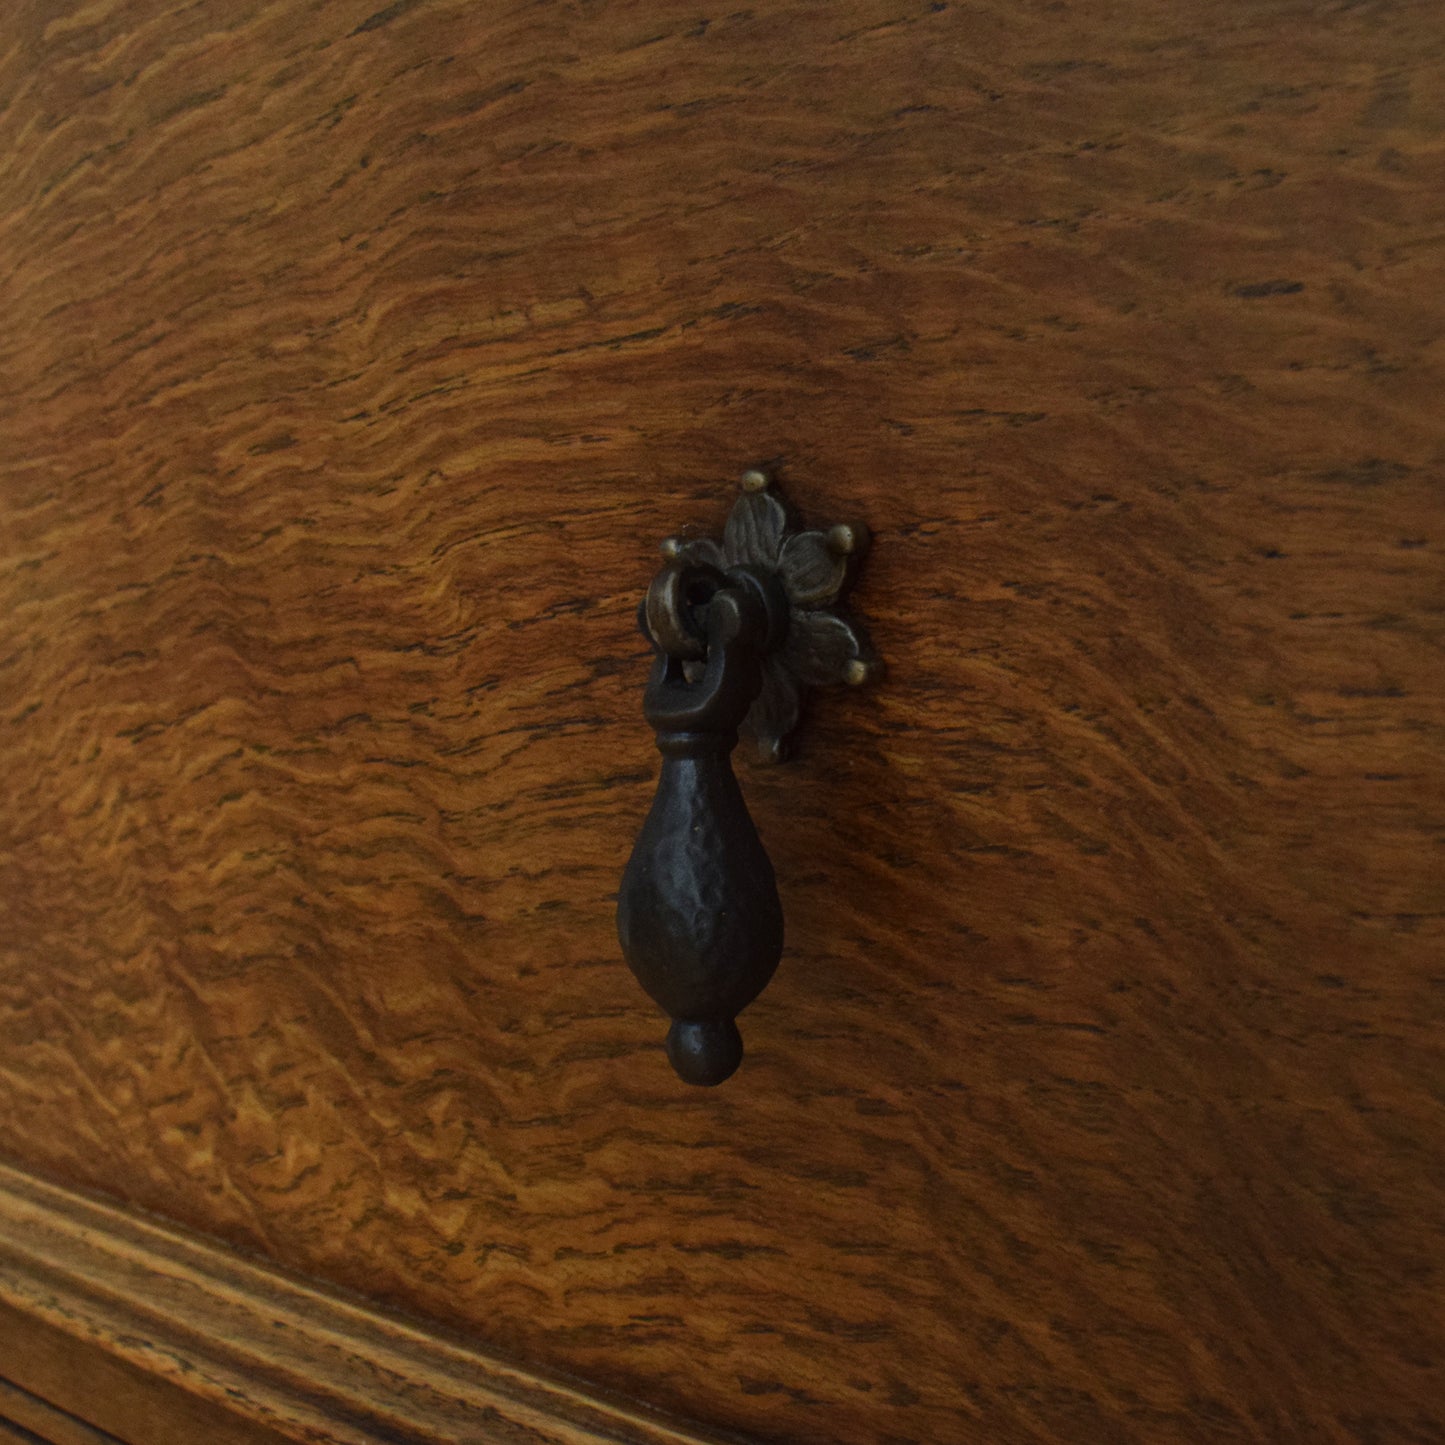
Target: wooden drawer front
355 361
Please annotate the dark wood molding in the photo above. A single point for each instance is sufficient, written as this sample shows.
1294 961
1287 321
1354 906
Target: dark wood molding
151 1310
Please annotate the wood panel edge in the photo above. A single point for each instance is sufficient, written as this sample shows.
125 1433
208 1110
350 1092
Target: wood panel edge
294 1359
43 1421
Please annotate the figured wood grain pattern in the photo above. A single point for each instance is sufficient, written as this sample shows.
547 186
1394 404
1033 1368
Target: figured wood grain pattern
354 360
227 1349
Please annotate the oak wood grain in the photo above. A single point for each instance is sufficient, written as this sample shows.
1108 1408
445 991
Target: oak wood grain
190 1341
355 359
77 1377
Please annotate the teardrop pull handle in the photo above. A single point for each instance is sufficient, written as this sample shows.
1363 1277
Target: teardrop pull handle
736 630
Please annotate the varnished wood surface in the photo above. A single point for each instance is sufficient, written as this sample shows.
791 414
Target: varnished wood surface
36 1419
354 359
168 1339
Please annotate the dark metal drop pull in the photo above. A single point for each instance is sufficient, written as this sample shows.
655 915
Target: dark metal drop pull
739 629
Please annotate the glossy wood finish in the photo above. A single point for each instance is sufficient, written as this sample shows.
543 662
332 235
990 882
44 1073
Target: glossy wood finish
168 1339
354 361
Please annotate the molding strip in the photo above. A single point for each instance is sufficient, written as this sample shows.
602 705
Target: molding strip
37 1420
296 1360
